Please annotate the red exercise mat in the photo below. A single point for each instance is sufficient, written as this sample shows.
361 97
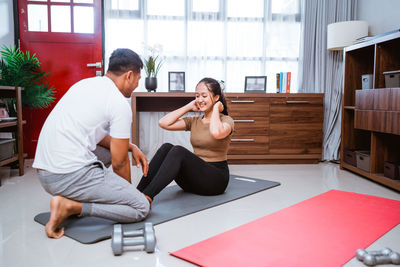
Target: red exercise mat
325 230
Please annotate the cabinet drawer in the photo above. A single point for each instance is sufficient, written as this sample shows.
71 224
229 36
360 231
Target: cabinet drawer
381 99
299 114
252 106
363 119
248 144
297 100
395 99
364 99
296 142
377 121
251 125
392 119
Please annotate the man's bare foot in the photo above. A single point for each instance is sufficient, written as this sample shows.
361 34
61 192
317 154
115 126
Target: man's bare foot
61 208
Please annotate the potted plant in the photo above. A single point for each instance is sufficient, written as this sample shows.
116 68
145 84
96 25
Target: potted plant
151 66
22 69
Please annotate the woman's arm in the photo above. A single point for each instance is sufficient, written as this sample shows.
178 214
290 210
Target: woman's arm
172 120
218 129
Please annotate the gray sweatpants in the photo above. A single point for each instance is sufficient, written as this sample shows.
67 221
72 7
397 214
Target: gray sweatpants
102 193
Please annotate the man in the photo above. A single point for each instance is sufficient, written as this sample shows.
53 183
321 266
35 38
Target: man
93 112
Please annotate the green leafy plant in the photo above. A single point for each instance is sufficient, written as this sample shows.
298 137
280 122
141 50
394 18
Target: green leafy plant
23 69
151 66
153 63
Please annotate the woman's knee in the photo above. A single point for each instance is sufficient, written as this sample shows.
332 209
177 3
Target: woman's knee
166 147
178 150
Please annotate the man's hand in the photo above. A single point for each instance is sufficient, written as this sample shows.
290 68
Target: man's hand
139 159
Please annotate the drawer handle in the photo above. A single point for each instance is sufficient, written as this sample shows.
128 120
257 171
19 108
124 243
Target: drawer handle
242 101
297 102
243 120
243 140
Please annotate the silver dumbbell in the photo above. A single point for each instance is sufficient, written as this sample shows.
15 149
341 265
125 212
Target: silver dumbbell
362 253
145 237
391 258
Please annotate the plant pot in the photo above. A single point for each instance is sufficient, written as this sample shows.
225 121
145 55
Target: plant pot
151 84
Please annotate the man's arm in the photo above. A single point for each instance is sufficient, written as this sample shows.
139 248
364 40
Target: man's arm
106 141
119 157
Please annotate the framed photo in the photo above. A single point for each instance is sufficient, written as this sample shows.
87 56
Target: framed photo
255 84
176 81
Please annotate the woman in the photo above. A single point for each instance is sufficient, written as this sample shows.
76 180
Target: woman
204 172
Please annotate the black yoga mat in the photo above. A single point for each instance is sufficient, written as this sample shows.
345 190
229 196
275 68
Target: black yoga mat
170 204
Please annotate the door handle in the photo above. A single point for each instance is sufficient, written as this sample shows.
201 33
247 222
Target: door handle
96 65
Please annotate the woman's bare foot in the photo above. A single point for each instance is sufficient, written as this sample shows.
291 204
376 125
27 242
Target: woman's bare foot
61 208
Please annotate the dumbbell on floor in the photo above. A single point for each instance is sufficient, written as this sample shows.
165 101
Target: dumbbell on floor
121 238
382 256
362 253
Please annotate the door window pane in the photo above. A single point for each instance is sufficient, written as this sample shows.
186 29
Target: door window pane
125 4
37 18
166 8
248 8
83 19
60 18
206 6
61 1
83 1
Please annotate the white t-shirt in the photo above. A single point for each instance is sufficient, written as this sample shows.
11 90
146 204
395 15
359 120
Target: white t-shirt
91 109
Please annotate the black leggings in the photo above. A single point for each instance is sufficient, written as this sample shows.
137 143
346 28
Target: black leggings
189 171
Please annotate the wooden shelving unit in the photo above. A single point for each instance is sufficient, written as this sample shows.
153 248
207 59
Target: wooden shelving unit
14 126
371 118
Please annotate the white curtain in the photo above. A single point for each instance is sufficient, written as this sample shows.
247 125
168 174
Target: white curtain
223 39
320 70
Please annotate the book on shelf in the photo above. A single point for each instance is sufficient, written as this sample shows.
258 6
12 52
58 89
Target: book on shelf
278 82
283 82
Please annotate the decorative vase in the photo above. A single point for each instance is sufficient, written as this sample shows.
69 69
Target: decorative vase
151 84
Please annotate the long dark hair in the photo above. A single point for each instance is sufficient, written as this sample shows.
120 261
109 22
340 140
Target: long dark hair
214 87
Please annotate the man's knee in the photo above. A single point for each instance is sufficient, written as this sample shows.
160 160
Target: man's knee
142 209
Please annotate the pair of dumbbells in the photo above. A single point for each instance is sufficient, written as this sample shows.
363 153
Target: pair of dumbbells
121 238
383 256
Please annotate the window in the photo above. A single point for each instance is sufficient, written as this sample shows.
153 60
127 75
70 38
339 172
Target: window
64 16
224 39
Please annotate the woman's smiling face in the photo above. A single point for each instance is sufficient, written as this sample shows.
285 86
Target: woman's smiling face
204 98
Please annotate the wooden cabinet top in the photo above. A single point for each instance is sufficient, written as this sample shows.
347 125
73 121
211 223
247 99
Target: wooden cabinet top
229 95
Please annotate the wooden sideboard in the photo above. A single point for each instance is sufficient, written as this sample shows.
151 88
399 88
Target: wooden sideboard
269 128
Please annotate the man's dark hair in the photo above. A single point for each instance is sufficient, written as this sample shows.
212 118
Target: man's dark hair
123 60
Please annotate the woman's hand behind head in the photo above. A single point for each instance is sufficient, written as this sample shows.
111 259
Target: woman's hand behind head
218 106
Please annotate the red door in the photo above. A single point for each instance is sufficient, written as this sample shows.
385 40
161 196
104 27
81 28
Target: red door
66 36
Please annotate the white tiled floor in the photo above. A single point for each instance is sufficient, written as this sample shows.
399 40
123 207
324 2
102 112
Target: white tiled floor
24 243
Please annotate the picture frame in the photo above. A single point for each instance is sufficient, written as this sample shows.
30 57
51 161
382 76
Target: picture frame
255 84
176 81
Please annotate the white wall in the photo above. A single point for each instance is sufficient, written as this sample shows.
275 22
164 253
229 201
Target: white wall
382 15
6 23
